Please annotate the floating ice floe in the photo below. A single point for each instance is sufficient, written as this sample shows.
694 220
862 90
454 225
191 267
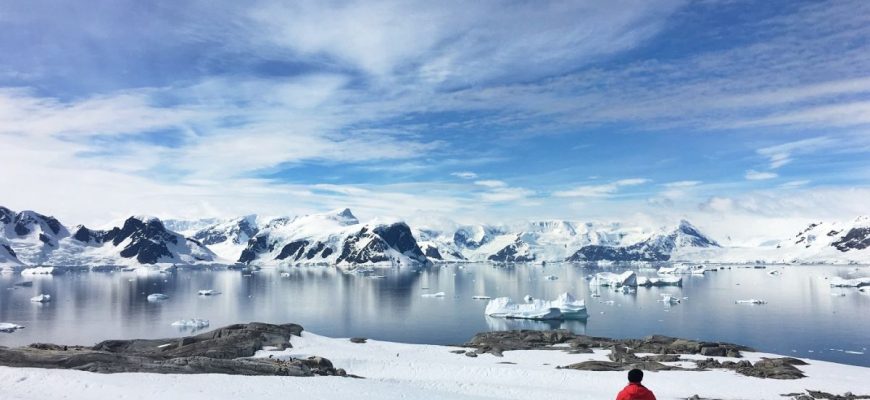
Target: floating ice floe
660 281
750 301
439 294
857 282
627 278
194 323
528 298
481 297
42 298
42 271
285 274
551 277
668 299
157 297
23 284
627 289
838 294
563 307
8 327
774 272
681 269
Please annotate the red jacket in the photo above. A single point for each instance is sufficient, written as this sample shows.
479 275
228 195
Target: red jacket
635 391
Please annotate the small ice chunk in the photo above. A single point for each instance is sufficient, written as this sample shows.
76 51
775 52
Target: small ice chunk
8 327
42 298
285 274
528 298
41 271
481 297
439 294
551 277
668 299
838 294
680 269
774 272
194 323
207 292
157 297
750 301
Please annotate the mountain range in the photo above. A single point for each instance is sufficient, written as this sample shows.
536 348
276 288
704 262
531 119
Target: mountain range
28 238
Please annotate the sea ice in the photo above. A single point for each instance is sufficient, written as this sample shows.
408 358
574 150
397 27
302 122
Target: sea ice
207 292
157 297
551 277
668 299
439 294
42 298
481 297
8 327
194 323
563 307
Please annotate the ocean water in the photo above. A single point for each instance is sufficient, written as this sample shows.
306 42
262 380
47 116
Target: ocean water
803 316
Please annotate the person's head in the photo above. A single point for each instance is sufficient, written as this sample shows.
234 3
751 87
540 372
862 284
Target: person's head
635 376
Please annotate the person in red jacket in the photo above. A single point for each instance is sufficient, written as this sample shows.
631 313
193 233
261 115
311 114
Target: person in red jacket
634 390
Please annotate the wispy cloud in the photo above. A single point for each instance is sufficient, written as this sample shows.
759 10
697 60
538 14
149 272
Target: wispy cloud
754 175
464 175
603 190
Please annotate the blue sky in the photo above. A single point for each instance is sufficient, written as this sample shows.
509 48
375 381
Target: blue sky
482 111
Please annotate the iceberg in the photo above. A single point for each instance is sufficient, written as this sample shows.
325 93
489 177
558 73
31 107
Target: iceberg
856 283
682 269
42 271
207 292
194 323
751 301
157 297
627 278
481 297
8 327
563 307
42 298
439 294
660 281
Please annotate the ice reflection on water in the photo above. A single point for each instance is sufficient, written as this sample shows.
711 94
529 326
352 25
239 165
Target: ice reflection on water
801 317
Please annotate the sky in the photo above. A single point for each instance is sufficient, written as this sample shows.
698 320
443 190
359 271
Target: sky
738 115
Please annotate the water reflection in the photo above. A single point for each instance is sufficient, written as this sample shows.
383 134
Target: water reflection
800 314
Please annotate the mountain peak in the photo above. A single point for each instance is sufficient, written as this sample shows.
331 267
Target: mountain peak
344 215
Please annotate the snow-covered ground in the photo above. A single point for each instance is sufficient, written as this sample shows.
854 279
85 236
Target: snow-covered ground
407 371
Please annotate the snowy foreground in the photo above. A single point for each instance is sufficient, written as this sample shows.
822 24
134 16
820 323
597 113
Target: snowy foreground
394 370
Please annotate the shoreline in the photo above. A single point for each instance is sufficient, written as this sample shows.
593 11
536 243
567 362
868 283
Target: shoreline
392 370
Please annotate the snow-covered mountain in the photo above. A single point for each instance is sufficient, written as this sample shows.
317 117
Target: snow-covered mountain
36 239
658 247
332 238
227 238
8 260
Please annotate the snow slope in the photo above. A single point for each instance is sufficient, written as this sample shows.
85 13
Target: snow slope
410 371
335 238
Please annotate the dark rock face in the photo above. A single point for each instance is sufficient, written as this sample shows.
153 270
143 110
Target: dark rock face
9 250
258 244
221 351
149 239
85 235
379 241
27 222
855 239
512 253
433 253
294 249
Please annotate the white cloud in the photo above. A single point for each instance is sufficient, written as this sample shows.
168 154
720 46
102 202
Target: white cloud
465 175
794 184
603 190
491 183
754 175
681 184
